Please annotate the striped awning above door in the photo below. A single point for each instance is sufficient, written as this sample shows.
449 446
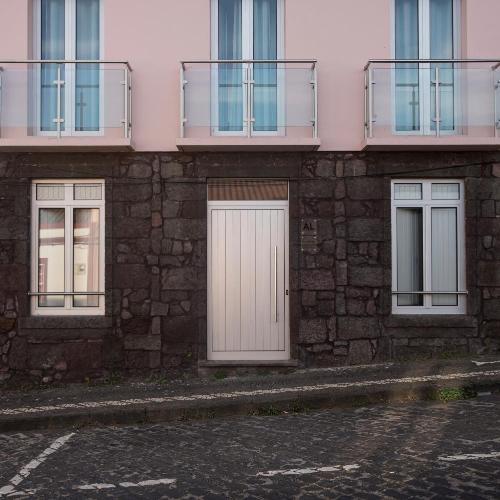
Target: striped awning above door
247 189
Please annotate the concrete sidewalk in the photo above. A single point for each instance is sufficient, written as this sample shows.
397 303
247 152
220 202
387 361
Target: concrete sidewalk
135 402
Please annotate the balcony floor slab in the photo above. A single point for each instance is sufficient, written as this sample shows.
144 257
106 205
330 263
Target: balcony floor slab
77 144
248 144
431 143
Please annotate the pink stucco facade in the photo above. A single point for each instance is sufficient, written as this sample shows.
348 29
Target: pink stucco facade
154 36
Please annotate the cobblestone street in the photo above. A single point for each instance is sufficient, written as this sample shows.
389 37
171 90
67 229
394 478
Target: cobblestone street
418 450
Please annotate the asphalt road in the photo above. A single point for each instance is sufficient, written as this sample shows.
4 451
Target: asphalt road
417 450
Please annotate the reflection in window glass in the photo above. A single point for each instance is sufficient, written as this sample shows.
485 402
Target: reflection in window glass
86 256
51 256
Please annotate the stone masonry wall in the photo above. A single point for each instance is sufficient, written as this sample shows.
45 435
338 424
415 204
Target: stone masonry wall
340 296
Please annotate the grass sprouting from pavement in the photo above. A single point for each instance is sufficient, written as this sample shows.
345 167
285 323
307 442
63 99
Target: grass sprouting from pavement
447 394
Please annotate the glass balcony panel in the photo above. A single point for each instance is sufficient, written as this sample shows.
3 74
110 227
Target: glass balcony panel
90 99
402 100
221 99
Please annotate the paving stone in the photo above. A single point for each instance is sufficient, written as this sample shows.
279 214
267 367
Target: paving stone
395 451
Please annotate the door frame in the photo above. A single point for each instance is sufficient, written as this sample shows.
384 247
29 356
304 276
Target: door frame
242 356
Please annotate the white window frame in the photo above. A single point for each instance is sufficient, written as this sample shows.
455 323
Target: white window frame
70 82
246 53
425 77
426 204
68 204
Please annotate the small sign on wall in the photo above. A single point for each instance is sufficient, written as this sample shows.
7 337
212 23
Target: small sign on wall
309 235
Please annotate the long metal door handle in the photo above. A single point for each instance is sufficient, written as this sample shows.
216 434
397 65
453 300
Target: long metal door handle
276 284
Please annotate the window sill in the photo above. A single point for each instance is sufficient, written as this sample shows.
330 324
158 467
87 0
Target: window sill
61 322
430 320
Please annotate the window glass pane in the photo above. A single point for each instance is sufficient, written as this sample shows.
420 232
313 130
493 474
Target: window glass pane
51 256
230 75
444 255
52 46
88 192
87 75
446 191
86 256
409 255
265 93
407 191
441 29
50 191
247 189
407 92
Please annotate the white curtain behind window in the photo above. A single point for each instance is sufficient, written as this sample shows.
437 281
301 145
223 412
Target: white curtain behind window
265 75
52 46
87 75
441 47
409 255
407 75
230 75
444 255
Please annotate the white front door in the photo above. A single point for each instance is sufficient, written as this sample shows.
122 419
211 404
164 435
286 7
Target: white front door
248 280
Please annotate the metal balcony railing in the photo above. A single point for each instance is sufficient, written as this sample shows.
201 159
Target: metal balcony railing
438 97
249 98
65 98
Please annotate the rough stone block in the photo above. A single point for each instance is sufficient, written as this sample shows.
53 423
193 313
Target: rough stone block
361 276
182 191
179 329
489 273
312 331
142 342
366 230
18 354
159 309
360 352
131 276
171 169
185 229
364 188
491 309
358 328
317 280
186 278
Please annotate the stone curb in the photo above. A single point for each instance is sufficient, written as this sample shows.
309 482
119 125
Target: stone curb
241 405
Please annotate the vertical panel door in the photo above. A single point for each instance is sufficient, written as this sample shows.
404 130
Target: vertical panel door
247 289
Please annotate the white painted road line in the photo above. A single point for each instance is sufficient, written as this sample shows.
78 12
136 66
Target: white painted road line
257 392
10 489
481 363
148 482
308 470
470 456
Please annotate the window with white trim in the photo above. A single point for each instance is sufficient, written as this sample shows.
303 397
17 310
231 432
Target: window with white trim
68 30
428 264
67 247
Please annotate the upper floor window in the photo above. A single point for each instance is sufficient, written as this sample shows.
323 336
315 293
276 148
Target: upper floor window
425 29
248 30
68 30
67 247
428 225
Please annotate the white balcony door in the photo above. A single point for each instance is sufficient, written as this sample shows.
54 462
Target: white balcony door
68 30
246 29
248 281
425 29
